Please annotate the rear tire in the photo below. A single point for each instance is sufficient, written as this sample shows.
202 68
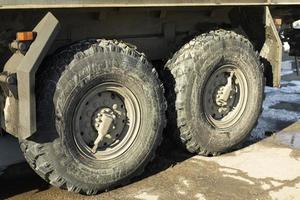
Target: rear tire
73 88
208 124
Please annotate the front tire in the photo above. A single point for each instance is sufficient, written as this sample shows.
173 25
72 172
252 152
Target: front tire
75 88
219 91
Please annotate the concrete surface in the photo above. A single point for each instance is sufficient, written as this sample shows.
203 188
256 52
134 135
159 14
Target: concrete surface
266 167
269 169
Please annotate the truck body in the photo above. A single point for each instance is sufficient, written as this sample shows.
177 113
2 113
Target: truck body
15 4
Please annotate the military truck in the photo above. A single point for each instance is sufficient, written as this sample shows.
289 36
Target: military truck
81 91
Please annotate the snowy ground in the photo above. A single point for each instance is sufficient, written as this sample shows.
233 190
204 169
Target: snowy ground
281 106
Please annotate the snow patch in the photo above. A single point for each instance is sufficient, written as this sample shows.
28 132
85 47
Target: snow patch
200 196
228 170
288 93
146 196
286 68
286 192
239 178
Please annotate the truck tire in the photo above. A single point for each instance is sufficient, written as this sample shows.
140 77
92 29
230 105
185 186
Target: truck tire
89 83
219 90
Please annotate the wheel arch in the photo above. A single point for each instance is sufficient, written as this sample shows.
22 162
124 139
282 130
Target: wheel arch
256 23
271 51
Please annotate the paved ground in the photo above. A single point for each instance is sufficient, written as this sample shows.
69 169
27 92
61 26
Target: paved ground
266 167
269 169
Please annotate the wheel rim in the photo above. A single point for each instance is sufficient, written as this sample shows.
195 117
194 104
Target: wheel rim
108 98
225 96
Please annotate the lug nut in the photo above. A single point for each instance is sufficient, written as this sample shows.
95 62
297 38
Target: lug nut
108 136
115 106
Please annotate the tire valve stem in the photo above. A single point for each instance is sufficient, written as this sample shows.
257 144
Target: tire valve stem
103 127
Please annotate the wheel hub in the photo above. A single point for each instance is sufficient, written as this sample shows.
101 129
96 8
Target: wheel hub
107 120
225 95
104 124
103 116
224 92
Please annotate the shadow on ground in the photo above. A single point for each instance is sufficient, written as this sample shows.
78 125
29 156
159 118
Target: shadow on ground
19 179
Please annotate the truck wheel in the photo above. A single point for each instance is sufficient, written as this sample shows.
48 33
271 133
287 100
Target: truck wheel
101 114
219 91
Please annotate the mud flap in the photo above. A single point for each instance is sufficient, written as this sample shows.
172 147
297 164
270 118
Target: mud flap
272 49
20 112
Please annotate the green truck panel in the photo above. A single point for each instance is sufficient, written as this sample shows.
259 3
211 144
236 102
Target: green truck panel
11 4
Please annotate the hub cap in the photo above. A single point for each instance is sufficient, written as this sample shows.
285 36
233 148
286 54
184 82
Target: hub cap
225 96
106 121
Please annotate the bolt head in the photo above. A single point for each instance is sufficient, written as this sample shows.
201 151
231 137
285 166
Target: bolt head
115 106
10 80
108 136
